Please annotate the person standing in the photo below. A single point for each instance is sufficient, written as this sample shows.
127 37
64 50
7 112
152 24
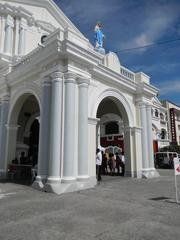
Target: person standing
123 164
98 164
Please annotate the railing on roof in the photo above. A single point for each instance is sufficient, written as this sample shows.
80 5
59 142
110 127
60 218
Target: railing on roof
127 73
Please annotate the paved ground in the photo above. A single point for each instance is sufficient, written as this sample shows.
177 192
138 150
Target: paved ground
118 208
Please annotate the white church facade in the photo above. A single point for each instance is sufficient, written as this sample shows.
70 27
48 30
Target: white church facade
54 95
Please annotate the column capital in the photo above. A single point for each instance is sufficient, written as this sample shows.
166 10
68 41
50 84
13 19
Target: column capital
82 81
70 77
149 106
142 104
9 21
23 24
56 75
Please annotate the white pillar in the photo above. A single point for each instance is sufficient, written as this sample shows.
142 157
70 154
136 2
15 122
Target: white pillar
83 129
43 153
143 118
11 140
149 136
2 34
17 30
8 42
3 136
98 134
137 152
22 37
55 128
153 172
69 128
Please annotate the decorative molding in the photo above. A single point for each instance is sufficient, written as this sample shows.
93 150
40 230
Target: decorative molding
56 76
84 82
70 77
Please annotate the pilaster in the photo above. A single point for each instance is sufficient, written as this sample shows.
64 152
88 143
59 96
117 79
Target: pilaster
83 129
143 117
69 128
8 42
22 36
2 34
153 171
44 135
3 134
54 169
17 30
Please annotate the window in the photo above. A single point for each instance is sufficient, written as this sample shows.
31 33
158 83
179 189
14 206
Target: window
163 134
156 113
112 128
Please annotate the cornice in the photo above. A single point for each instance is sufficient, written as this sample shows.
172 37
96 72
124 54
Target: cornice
147 90
87 56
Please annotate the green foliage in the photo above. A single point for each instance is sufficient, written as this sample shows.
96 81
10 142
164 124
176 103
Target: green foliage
171 148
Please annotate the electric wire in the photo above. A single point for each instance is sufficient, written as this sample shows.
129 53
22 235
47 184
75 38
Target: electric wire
149 45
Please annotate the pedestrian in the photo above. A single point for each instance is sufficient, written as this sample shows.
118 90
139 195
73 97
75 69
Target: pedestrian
104 163
98 164
122 164
118 163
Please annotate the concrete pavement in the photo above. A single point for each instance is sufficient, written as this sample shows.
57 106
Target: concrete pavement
118 208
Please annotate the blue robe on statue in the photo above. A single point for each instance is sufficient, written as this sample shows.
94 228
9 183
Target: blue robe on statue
99 38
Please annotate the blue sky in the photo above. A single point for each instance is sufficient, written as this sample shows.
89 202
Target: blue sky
135 23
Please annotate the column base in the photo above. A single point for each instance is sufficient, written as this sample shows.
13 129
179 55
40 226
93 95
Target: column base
64 187
149 173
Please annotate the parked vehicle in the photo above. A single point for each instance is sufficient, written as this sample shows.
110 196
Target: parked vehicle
165 159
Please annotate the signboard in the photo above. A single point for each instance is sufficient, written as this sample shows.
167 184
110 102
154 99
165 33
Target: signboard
177 172
177 166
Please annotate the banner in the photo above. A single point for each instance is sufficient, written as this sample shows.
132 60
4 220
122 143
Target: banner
176 166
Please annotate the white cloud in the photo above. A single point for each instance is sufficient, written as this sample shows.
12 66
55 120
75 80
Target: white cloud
169 87
155 23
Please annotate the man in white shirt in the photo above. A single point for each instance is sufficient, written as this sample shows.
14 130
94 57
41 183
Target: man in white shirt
98 164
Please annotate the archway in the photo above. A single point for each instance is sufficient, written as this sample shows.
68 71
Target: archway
23 135
115 134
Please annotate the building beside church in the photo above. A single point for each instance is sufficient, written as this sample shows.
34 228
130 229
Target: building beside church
160 125
55 94
173 117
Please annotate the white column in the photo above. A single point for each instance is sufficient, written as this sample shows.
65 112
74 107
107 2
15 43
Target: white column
11 140
22 37
143 118
98 134
8 42
3 132
2 34
83 129
149 136
69 128
55 128
44 134
17 30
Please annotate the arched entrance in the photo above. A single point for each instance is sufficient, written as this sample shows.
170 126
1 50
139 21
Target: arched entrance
116 134
23 135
